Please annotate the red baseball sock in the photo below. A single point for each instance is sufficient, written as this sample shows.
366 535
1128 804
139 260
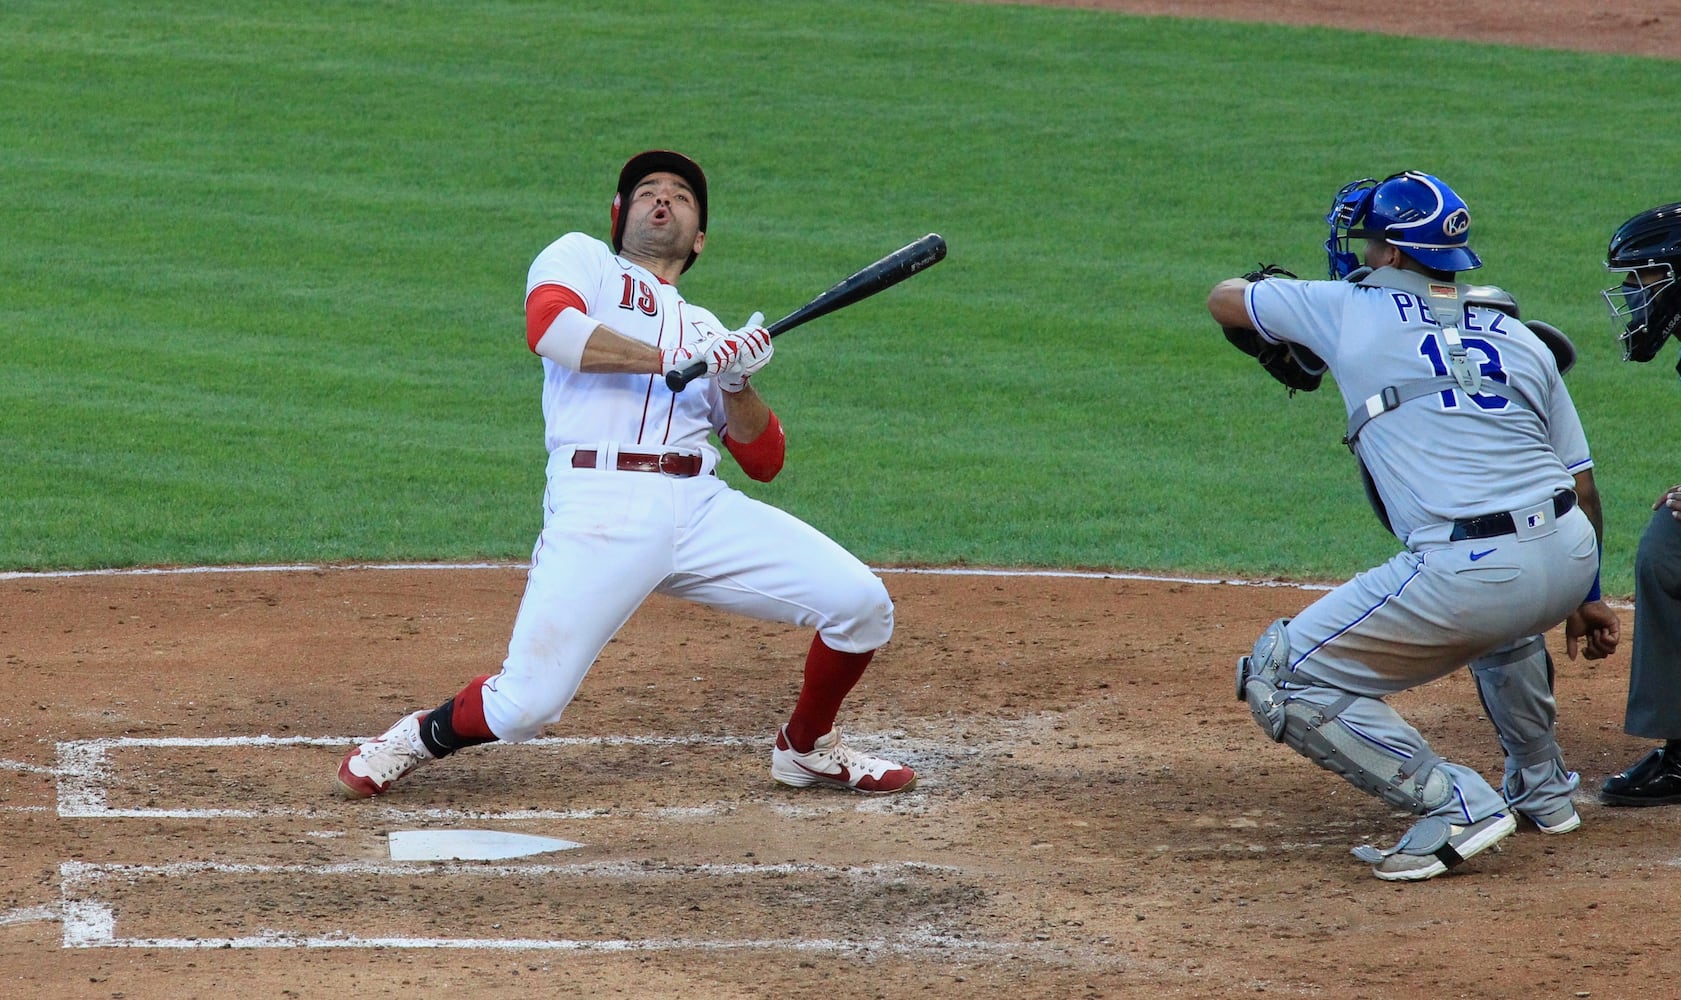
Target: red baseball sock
829 675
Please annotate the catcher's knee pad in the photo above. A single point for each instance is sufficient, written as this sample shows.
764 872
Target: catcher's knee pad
1257 677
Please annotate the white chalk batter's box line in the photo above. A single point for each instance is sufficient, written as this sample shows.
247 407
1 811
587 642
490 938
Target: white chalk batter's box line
84 771
91 923
88 921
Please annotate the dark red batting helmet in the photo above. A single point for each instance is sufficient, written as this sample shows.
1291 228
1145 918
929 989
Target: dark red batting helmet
651 162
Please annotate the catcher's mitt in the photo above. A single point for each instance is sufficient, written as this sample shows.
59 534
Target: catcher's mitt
1296 367
1264 271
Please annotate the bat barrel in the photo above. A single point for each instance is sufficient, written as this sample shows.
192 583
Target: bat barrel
902 263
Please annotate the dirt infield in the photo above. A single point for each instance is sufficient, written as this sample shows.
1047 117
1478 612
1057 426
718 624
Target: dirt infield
1640 27
1097 816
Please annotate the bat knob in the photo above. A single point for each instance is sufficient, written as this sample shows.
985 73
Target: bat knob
676 378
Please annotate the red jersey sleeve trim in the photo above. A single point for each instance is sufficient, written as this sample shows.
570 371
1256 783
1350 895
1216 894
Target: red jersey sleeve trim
542 306
762 457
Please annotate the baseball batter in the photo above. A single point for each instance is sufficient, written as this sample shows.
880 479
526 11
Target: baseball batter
635 505
1476 460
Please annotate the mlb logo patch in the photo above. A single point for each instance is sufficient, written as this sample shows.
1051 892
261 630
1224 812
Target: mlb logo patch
1536 520
1444 291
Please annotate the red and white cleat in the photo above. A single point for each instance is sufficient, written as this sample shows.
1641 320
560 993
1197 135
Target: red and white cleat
833 764
373 767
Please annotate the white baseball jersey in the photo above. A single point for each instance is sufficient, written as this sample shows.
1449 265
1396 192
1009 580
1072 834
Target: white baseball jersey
632 410
1449 456
612 537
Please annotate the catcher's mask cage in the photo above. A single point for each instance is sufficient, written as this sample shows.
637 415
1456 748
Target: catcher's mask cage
1644 309
652 162
1410 210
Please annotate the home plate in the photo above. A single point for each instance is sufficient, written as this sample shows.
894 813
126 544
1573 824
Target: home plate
470 845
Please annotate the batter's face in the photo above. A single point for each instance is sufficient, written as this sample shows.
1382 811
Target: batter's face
662 221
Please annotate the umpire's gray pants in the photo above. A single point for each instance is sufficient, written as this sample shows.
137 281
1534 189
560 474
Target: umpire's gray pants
1654 679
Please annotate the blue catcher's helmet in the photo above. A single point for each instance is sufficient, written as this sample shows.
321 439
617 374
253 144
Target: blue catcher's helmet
1412 211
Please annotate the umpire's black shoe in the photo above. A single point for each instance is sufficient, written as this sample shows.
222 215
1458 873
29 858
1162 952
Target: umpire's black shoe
1653 780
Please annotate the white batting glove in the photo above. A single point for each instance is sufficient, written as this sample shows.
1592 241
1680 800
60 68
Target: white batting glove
755 351
716 350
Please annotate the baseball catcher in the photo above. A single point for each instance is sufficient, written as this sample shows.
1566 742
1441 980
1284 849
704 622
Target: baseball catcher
1475 457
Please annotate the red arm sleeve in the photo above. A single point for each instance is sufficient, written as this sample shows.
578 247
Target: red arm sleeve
761 458
542 306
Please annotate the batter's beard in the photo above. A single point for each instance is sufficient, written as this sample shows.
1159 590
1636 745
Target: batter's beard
665 247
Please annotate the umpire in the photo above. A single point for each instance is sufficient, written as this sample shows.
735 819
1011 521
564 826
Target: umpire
1645 310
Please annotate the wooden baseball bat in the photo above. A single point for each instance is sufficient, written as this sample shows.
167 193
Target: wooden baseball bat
884 273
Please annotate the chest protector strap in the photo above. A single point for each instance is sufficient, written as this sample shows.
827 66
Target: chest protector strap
1447 304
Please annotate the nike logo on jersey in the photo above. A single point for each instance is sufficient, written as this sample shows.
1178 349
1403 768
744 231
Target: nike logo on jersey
1478 555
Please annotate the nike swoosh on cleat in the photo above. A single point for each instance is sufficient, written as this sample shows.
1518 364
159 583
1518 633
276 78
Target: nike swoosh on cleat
842 775
1478 555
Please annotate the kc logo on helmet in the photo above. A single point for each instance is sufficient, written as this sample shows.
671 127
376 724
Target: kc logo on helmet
1458 223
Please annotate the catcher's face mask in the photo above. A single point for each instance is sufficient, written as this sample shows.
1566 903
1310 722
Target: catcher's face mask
1641 315
1347 208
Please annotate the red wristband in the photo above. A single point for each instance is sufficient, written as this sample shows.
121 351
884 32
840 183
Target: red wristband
761 458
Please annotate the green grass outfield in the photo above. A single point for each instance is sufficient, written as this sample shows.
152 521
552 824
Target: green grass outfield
262 267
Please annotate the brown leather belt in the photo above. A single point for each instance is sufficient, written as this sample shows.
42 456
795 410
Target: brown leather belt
670 463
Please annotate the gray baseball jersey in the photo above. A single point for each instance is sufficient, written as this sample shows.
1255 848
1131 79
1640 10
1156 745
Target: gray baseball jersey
1453 457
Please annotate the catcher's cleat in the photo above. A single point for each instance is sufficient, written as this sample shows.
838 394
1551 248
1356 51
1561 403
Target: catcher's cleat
1433 845
1555 815
373 767
833 764
1555 821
